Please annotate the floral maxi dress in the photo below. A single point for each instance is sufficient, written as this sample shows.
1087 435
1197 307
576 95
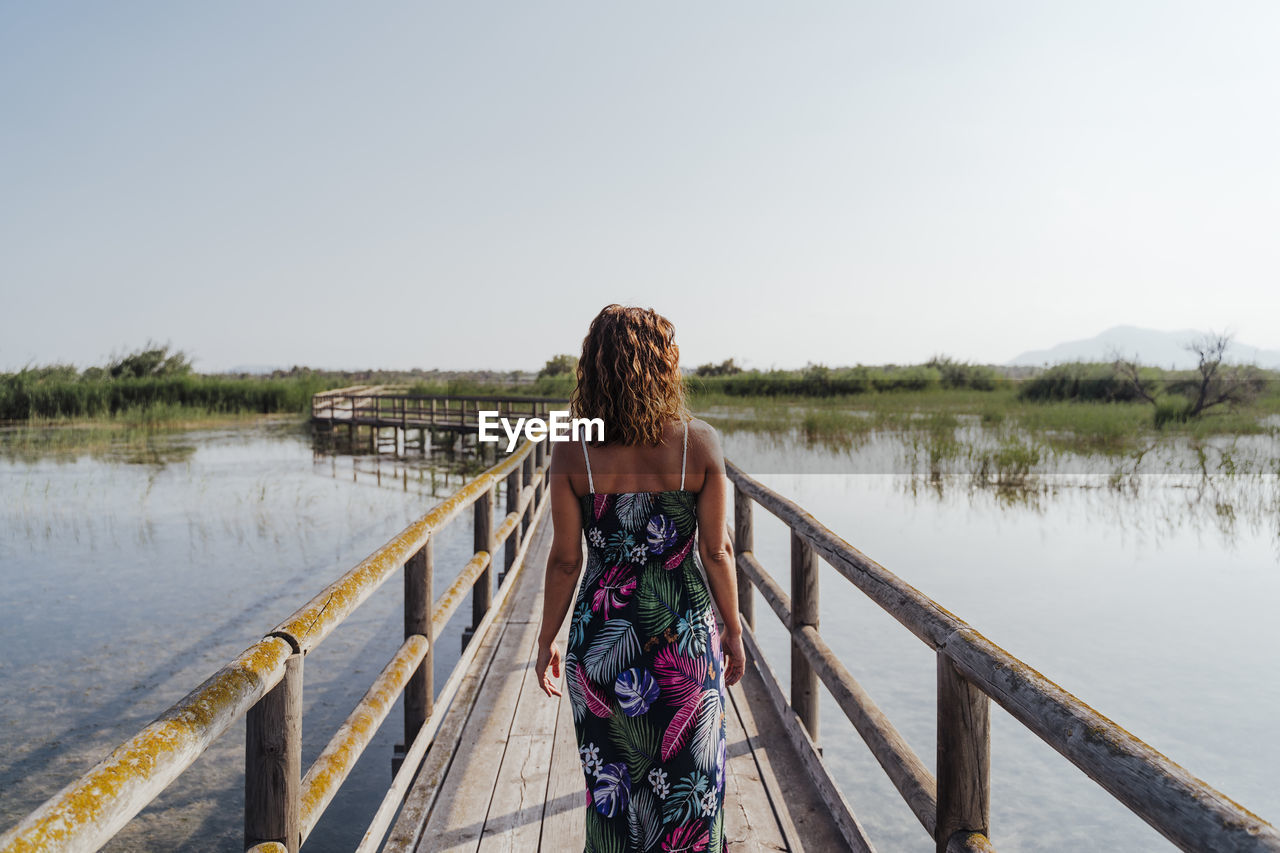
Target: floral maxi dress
645 678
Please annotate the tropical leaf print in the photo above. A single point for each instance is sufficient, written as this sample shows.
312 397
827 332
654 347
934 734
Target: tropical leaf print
691 837
706 740
614 589
633 510
583 695
720 759
573 676
684 803
644 824
637 741
612 650
612 790
699 596
713 637
691 633
578 626
661 534
600 837
643 669
679 556
677 733
595 568
679 676
636 690
619 546
680 508
657 601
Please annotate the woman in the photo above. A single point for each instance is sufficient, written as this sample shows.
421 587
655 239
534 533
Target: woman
646 664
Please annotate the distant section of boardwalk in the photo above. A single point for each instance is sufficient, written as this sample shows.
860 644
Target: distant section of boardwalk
393 420
503 773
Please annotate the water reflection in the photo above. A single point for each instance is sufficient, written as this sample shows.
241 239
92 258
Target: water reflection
1144 582
136 564
1222 484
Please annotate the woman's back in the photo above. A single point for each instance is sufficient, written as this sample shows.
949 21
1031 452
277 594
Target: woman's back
645 664
644 670
634 468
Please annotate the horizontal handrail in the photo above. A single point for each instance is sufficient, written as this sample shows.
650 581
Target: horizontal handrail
86 813
1182 808
921 615
348 743
312 622
1187 811
904 768
368 394
778 600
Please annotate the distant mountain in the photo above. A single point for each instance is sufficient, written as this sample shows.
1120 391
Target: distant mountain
1150 346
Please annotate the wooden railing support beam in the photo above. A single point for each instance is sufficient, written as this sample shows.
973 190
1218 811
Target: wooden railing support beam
804 611
482 592
744 543
273 763
964 756
418 603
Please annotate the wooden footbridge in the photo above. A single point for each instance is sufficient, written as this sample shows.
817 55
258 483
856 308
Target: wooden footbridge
389 417
491 763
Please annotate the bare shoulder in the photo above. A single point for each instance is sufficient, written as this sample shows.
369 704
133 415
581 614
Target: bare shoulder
700 430
564 460
704 440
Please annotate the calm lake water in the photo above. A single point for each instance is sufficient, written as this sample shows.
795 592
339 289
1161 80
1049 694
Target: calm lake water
134 568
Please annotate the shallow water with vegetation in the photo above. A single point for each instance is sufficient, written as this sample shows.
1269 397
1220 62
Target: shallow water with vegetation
135 563
1143 579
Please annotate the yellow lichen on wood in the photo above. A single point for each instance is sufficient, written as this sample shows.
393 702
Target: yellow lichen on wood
333 765
86 813
449 601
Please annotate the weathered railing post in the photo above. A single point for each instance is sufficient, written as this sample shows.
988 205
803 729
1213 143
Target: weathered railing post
804 611
744 543
532 461
482 592
419 693
964 756
515 485
273 763
402 442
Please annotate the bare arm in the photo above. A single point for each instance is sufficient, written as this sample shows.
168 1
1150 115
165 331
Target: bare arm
564 564
716 551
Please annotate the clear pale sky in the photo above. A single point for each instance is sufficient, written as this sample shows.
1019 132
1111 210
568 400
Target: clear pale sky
465 185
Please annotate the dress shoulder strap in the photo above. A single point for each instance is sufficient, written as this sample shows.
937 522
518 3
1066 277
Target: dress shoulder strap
684 453
582 436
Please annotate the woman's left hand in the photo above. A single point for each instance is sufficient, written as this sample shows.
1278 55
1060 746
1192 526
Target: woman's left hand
549 658
734 658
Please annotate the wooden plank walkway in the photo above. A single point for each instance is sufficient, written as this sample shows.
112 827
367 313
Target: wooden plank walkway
503 774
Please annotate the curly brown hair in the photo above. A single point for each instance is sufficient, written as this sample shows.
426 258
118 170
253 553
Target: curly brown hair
629 375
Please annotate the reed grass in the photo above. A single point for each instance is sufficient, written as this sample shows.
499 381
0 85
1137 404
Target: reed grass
26 397
1062 426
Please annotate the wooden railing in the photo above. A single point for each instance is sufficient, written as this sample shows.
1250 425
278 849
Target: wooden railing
264 685
954 807
392 407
